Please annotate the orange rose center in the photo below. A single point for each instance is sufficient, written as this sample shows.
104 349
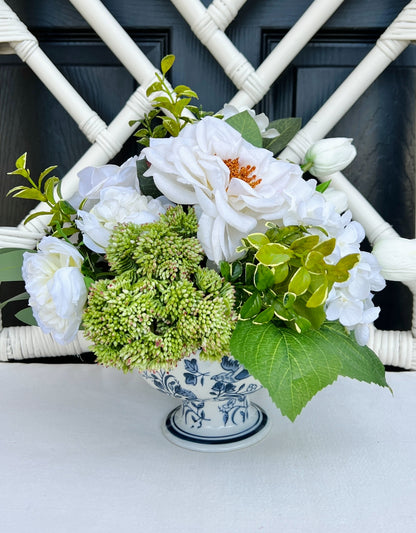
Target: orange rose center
242 173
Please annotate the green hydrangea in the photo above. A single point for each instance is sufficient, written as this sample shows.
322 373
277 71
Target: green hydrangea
166 249
162 304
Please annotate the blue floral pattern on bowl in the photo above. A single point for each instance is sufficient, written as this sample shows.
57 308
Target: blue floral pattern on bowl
215 406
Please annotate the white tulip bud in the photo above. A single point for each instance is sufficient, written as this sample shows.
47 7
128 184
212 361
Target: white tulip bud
337 198
397 258
329 155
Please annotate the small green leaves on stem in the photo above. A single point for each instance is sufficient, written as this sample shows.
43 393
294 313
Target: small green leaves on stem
284 277
47 191
169 105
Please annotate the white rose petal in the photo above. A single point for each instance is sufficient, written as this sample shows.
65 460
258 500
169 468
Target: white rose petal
56 287
92 180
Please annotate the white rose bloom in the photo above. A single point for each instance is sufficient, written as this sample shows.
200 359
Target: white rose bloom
330 155
261 119
56 287
92 180
117 205
234 185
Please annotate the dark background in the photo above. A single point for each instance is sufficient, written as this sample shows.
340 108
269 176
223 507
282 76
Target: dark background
381 122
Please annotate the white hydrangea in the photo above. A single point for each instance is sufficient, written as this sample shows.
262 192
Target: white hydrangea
351 303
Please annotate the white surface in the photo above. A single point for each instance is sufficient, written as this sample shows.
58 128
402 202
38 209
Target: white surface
79 452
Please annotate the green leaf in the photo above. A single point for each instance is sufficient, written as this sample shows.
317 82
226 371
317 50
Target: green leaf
326 247
249 273
155 87
7 250
289 299
263 278
315 262
319 297
30 194
18 188
322 187
45 173
251 307
20 172
171 126
280 273
264 316
294 367
300 281
167 63
180 106
245 124
21 161
66 208
304 244
225 269
147 185
36 214
26 316
257 239
287 127
11 265
340 271
273 254
17 298
159 132
236 271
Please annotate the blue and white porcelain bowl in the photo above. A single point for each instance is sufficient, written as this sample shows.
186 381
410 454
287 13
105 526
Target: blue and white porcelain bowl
216 413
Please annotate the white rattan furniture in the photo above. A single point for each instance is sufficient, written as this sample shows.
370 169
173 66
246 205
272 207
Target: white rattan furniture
397 348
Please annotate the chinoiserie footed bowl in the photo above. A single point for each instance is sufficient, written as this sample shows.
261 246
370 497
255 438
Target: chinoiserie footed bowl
215 412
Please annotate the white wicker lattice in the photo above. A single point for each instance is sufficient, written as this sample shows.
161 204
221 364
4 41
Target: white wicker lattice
393 347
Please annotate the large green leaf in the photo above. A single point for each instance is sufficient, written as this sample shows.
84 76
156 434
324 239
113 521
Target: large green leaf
294 367
17 298
11 265
26 316
287 127
147 185
245 124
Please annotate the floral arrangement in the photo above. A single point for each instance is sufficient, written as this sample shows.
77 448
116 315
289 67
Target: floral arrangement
207 240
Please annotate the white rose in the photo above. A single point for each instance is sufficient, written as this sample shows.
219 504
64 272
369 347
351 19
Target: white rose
117 205
92 180
234 186
329 155
56 287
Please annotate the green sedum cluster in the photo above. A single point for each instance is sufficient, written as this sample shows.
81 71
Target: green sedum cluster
162 304
285 278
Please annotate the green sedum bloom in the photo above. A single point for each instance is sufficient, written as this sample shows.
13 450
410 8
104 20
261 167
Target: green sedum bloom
162 304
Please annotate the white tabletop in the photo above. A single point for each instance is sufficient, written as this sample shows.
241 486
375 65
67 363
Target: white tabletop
81 450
